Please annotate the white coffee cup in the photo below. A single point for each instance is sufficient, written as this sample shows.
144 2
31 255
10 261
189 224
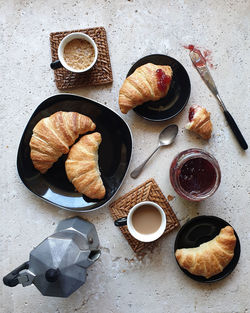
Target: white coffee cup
61 62
144 237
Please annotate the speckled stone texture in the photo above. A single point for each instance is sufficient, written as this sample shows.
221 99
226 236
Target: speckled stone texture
118 282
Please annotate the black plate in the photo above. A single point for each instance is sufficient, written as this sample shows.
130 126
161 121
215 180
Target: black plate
177 96
201 229
114 154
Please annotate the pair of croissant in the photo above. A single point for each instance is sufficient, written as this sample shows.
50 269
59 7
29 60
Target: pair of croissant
52 136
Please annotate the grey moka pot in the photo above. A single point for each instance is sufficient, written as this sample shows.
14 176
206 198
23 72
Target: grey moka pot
58 265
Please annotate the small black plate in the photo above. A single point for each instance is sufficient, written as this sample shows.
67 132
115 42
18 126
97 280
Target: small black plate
177 96
114 154
201 229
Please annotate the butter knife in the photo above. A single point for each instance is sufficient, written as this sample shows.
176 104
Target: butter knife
199 63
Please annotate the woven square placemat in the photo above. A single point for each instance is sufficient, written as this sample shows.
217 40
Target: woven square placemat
148 191
100 74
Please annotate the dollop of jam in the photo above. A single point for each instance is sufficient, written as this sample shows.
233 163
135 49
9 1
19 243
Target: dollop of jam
191 114
189 47
197 176
203 59
163 80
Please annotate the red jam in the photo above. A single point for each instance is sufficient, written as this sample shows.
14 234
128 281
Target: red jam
191 114
197 176
163 80
205 58
189 47
202 60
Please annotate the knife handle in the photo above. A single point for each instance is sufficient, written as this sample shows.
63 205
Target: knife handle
236 130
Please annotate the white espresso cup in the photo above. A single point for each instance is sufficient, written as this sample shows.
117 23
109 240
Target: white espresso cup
62 63
146 221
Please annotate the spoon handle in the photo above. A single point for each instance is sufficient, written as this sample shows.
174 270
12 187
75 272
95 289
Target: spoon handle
136 172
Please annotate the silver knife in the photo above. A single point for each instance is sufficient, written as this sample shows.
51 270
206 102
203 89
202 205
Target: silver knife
199 63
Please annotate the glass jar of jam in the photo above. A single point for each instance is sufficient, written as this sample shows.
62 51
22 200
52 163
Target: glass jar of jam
195 174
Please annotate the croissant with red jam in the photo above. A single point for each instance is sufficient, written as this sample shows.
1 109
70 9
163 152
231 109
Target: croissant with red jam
199 121
149 82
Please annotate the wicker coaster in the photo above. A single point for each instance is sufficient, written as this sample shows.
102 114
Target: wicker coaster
148 191
100 74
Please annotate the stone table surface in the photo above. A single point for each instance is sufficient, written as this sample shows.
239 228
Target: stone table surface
118 282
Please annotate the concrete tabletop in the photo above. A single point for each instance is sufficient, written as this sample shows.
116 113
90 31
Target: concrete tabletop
118 282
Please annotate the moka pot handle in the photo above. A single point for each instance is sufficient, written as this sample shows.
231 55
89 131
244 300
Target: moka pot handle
11 279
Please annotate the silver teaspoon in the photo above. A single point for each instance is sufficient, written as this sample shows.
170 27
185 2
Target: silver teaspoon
166 137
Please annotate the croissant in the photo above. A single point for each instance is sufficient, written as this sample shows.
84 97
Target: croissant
199 121
82 166
148 82
211 257
53 135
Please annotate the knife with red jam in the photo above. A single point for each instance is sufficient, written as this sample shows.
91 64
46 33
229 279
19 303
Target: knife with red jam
199 63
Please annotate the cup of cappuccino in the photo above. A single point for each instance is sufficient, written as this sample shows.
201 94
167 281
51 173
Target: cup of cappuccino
146 221
77 52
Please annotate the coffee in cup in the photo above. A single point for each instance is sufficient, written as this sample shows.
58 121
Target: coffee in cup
77 52
146 221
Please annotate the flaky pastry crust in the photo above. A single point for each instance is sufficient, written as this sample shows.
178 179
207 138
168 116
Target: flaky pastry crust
211 257
82 166
143 86
200 122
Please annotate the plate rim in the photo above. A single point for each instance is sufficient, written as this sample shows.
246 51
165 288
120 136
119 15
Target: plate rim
58 205
192 276
172 116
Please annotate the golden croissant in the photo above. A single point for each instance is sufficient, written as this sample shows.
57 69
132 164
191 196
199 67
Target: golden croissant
52 136
149 82
82 166
211 257
199 121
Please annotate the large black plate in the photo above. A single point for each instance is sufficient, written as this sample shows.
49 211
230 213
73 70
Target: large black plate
201 229
114 154
177 96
